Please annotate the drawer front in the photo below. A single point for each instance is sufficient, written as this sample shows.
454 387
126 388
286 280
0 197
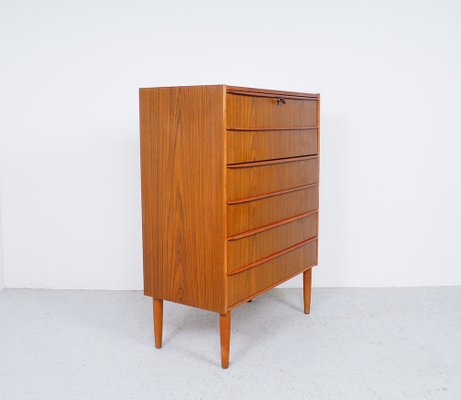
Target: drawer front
249 249
249 181
246 146
252 281
244 111
243 217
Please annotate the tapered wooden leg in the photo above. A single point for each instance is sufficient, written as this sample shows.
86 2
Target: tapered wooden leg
307 275
158 322
224 328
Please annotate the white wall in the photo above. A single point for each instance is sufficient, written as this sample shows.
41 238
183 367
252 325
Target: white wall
389 74
1 251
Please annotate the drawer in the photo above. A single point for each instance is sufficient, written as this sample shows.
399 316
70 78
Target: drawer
246 111
249 215
246 250
252 281
245 146
254 179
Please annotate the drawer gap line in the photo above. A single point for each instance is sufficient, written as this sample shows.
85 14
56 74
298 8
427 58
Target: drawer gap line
272 162
272 194
271 226
272 256
269 161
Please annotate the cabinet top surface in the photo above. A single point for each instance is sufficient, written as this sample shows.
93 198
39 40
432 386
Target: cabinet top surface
246 90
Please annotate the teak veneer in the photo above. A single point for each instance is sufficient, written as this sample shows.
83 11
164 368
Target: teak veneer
229 180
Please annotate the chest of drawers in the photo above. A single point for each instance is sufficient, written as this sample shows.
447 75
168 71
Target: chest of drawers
229 196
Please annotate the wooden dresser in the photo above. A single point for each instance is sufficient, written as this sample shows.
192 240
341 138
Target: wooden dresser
229 196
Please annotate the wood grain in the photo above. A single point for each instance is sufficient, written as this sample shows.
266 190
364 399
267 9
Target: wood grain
271 257
244 146
254 280
254 214
260 245
260 179
182 171
260 112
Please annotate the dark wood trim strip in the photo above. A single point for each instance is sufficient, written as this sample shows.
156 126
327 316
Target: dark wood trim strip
273 128
246 299
271 226
271 93
239 164
270 162
271 194
272 256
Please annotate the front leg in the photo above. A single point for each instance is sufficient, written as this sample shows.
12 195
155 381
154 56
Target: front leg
307 288
224 328
158 322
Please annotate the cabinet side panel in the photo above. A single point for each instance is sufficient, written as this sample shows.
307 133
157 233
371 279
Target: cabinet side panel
183 191
150 191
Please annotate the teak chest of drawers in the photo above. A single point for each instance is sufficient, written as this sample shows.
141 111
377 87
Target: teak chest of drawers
229 195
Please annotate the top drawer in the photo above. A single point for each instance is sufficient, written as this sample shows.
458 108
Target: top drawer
257 112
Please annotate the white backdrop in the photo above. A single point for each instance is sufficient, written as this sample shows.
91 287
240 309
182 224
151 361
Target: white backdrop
389 74
1 249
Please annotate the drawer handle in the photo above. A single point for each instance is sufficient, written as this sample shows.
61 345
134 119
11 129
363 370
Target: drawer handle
281 100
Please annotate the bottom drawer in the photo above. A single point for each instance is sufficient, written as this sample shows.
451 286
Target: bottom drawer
248 283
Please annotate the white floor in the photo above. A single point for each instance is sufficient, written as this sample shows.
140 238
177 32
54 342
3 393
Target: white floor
355 344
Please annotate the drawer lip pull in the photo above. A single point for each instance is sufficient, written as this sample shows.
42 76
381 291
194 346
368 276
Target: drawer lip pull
272 256
272 194
275 128
271 225
271 162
